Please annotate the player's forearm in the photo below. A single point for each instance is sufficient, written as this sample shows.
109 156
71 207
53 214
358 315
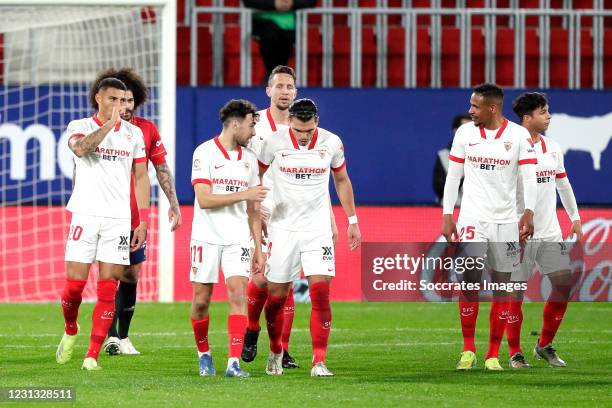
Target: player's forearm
166 182
87 144
255 223
451 187
530 185
142 190
209 201
568 199
344 189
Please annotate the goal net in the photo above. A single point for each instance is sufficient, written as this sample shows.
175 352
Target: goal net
49 55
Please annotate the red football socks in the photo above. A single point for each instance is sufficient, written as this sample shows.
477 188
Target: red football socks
468 312
553 315
289 312
320 320
102 316
256 299
200 332
236 326
71 300
513 326
274 319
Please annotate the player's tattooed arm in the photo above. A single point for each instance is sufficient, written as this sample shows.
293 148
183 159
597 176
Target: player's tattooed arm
166 182
85 145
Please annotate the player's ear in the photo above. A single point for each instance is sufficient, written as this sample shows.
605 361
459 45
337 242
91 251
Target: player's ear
316 121
268 91
98 99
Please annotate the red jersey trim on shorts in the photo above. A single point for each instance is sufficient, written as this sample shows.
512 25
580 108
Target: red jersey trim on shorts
202 181
339 168
271 120
220 146
455 159
499 132
99 123
528 161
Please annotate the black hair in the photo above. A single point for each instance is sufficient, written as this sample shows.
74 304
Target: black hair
491 93
528 102
101 83
304 109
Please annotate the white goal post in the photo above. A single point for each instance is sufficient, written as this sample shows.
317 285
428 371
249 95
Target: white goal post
45 71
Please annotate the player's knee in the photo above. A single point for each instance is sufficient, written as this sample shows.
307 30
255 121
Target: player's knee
199 307
130 275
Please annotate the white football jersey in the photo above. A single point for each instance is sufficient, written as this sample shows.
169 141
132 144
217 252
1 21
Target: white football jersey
263 130
491 160
225 172
103 178
301 178
549 168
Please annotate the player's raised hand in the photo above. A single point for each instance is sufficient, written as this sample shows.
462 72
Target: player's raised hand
256 194
354 236
449 228
115 116
174 218
139 238
526 226
577 230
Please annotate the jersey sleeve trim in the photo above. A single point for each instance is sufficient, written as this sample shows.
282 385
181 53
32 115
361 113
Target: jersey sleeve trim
339 168
75 135
456 159
200 181
561 175
158 159
528 161
263 165
140 160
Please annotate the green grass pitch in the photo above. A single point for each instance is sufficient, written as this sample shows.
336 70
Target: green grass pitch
383 354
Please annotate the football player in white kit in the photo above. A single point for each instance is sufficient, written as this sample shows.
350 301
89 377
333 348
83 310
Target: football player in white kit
225 178
491 152
281 90
106 150
546 248
301 159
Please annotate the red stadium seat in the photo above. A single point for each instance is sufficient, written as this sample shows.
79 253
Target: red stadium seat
586 58
607 58
451 58
559 64
504 48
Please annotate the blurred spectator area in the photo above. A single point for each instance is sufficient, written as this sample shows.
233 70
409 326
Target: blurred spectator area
548 59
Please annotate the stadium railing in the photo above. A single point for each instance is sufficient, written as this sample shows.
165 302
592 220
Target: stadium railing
573 22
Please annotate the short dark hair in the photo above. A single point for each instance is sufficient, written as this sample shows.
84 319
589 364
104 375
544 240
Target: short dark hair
460 118
237 109
102 82
282 69
491 93
132 81
304 109
528 102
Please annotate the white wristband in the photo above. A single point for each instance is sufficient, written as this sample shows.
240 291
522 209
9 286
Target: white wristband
352 219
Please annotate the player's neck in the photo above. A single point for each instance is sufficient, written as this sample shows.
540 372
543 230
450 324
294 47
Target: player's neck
535 135
101 118
494 123
227 142
281 117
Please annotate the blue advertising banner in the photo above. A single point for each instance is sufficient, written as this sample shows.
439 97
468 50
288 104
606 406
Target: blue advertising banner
391 138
